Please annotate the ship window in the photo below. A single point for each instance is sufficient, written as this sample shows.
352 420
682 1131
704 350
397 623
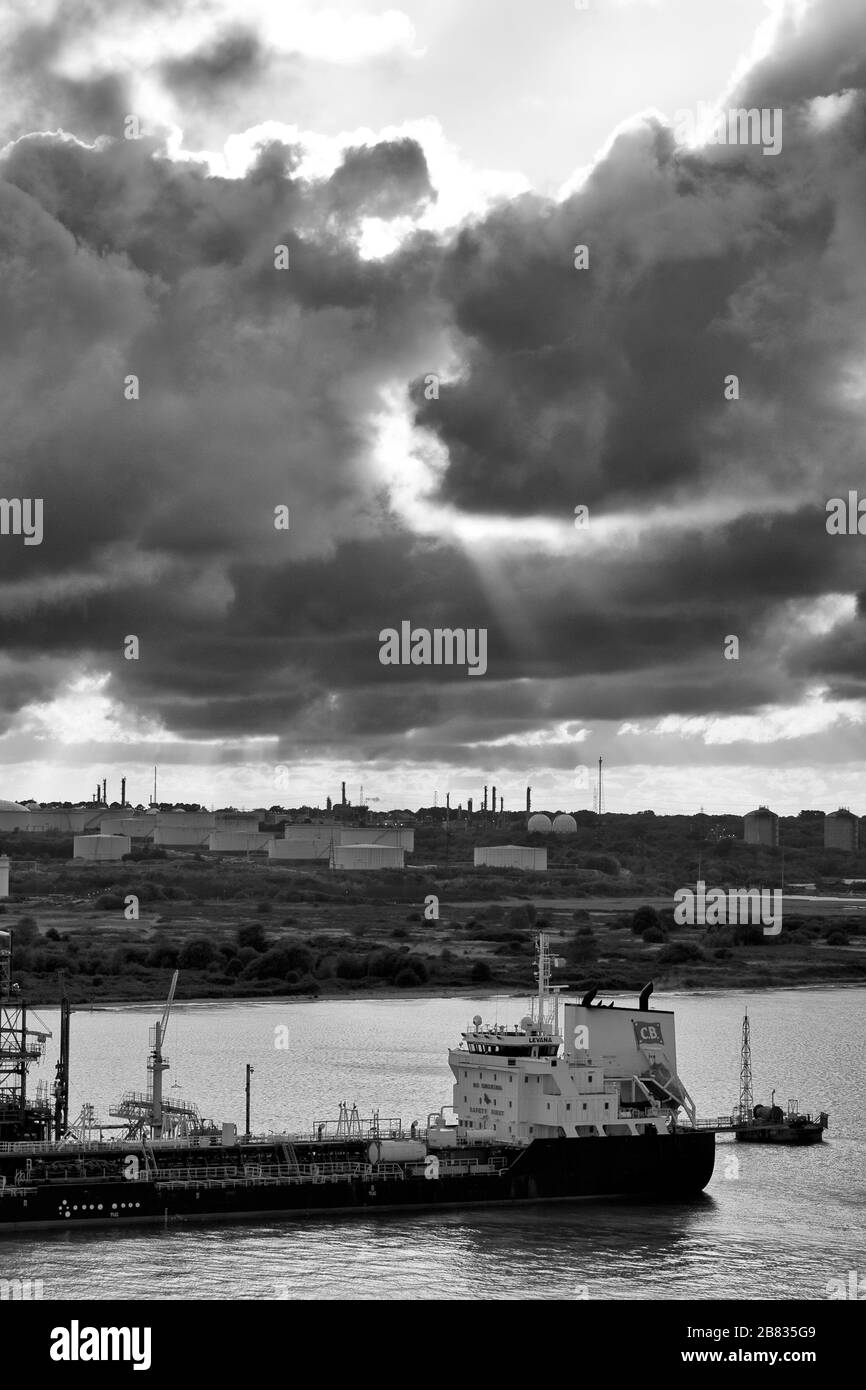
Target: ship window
606 1106
584 1105
568 1105
590 1081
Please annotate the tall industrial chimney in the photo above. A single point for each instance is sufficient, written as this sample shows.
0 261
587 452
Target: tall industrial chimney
469 807
485 800
344 794
104 796
494 801
123 791
528 800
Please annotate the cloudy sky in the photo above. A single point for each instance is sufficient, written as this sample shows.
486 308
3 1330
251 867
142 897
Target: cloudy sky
431 168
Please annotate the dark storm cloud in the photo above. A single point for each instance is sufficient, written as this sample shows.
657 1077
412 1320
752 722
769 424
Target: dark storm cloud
606 384
384 180
237 55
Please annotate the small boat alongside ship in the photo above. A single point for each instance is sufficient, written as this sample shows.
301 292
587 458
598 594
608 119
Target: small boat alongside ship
578 1100
769 1124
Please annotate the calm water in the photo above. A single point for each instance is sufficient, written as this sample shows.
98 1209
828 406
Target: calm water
774 1223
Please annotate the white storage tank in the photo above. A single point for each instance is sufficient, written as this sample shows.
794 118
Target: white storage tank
101 847
299 849
401 837
13 816
396 1151
187 820
136 827
239 841
73 822
539 825
238 821
181 837
368 857
511 857
4 876
564 825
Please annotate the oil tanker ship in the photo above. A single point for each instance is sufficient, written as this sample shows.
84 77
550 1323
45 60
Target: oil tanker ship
580 1099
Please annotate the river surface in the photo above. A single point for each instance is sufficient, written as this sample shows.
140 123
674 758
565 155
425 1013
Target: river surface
775 1222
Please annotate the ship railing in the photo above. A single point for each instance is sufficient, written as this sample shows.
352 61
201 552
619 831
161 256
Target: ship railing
309 1173
720 1122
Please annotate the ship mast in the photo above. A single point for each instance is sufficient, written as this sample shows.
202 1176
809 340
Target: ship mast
746 1102
543 970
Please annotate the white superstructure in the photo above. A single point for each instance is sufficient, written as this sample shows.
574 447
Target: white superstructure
568 1070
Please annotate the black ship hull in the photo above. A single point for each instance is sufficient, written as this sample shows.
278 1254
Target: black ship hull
339 1180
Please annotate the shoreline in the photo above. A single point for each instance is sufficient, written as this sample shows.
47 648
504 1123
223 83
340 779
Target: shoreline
385 996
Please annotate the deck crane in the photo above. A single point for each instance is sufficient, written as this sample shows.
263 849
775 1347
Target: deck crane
157 1063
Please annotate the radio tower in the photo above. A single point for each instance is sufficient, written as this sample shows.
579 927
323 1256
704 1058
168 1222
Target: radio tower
600 790
746 1102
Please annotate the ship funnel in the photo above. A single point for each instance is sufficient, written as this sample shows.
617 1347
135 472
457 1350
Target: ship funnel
644 995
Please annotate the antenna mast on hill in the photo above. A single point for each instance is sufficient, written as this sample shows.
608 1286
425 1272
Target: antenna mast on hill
600 790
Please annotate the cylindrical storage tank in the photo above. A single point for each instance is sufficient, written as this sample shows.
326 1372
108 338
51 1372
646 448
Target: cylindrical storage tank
511 857
539 825
761 827
188 820
396 1151
841 830
368 857
181 837
4 876
397 836
238 842
101 847
299 849
564 825
482 1136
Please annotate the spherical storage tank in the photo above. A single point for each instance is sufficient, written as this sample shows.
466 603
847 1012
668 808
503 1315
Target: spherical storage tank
539 825
13 816
565 825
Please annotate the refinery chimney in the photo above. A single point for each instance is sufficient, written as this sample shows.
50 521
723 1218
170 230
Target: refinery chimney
123 791
343 800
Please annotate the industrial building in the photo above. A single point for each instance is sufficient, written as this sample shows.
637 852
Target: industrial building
539 824
842 830
511 857
564 825
761 827
369 857
13 816
101 848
